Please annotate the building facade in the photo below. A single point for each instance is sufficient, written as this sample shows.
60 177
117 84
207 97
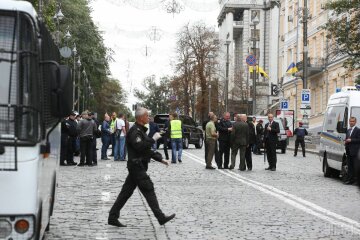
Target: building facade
238 36
325 72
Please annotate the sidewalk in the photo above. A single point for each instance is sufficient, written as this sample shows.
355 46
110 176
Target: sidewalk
309 148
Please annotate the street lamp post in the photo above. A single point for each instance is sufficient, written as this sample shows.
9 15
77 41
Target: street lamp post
78 88
255 22
74 51
227 76
209 96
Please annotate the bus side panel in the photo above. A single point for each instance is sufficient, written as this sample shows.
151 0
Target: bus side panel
47 169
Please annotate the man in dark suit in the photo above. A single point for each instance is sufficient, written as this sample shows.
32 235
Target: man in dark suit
352 145
272 128
224 128
252 141
239 141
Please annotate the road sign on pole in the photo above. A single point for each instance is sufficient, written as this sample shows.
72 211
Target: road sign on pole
305 99
251 60
284 104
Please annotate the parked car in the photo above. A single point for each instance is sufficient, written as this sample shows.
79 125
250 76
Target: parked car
192 133
283 136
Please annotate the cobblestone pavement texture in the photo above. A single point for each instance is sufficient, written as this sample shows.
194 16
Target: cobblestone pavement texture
209 204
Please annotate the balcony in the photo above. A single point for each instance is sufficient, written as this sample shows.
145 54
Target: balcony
315 65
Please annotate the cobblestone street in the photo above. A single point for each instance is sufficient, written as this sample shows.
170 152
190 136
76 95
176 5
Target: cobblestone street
295 202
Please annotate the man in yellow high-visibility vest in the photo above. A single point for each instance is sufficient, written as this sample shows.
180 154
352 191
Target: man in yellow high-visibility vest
176 131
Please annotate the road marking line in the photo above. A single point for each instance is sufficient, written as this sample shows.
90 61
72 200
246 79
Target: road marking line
297 202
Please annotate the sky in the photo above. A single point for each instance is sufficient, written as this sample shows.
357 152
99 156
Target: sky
143 35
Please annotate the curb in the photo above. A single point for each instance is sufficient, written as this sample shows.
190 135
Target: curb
311 151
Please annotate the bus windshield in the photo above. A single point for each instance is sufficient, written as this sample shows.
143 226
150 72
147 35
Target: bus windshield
19 105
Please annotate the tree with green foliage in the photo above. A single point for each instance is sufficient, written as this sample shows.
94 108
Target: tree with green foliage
344 28
95 57
156 97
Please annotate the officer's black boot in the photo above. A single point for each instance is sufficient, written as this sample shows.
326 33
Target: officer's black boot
166 219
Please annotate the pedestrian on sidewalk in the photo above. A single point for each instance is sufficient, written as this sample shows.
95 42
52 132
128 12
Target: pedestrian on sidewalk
259 137
112 129
272 128
300 134
166 136
105 137
224 129
120 133
176 134
252 141
153 128
352 146
97 134
86 129
139 150
239 141
211 138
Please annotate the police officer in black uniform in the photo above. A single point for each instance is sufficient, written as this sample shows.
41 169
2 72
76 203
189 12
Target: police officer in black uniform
300 134
68 136
139 152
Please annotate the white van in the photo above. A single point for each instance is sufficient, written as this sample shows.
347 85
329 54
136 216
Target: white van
35 93
340 108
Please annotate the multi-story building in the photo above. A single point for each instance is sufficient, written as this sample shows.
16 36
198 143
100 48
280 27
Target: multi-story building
238 34
325 72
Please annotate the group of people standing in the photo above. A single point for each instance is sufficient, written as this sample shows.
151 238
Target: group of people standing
113 131
78 136
245 135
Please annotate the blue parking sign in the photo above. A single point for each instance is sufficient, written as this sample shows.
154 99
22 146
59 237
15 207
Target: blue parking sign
305 96
284 105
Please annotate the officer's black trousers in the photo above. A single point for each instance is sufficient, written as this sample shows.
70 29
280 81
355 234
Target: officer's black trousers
137 178
63 149
70 150
224 150
302 143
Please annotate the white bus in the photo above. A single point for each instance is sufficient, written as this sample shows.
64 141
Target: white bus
35 93
340 108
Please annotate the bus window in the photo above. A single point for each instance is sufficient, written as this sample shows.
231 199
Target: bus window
335 116
355 112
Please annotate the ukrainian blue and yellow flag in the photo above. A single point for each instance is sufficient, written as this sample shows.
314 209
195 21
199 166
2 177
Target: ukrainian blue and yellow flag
259 70
292 69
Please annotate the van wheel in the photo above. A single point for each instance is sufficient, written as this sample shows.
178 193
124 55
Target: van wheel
200 143
186 143
344 170
326 169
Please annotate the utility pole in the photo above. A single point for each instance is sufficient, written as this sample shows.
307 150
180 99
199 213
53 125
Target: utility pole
227 76
305 55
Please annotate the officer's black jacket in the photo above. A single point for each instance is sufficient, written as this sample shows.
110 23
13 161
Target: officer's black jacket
139 148
68 127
